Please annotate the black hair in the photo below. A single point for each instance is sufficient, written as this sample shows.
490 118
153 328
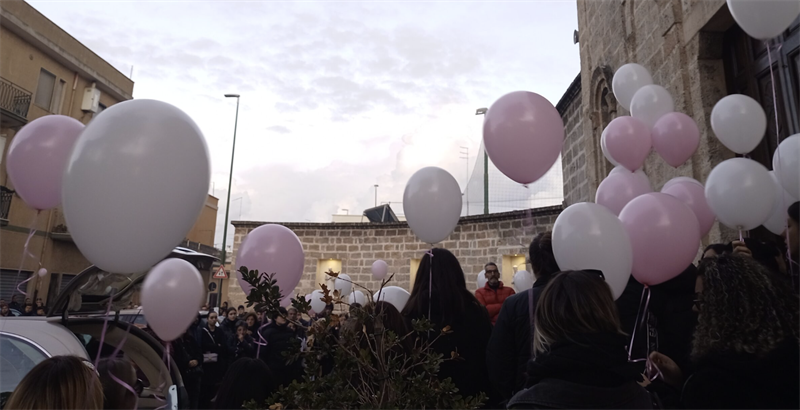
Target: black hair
543 261
794 212
281 312
241 307
449 297
718 248
490 263
230 309
246 379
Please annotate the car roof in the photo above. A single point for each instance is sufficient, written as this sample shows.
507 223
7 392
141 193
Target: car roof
46 333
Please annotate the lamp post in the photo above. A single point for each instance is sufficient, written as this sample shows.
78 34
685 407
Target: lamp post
482 111
465 156
376 195
228 201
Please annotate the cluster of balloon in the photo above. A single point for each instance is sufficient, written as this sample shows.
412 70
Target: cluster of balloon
137 174
272 249
523 280
395 295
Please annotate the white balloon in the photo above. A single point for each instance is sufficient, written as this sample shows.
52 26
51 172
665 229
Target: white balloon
786 162
481 281
343 284
395 295
432 204
605 150
739 123
523 280
741 193
135 184
170 295
639 172
650 103
764 19
627 81
42 272
776 223
357 297
316 301
589 236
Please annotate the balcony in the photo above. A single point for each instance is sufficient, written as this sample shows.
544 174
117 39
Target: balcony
6 195
14 104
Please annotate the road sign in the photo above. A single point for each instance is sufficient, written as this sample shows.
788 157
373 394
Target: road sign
221 274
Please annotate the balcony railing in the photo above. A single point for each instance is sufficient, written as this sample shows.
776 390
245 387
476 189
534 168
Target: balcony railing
14 103
6 195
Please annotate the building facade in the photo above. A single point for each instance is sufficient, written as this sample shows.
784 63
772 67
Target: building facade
696 51
351 248
45 71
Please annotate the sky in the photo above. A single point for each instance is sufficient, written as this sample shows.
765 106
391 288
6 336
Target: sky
336 97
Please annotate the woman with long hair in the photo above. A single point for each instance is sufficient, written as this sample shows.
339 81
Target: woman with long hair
440 288
246 379
60 382
580 358
510 346
116 395
745 348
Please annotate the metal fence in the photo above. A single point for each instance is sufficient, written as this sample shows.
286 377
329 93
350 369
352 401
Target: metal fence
14 99
6 195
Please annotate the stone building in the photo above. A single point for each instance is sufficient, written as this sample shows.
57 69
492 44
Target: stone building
696 51
351 248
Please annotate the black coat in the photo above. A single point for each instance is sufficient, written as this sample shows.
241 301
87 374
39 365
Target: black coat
245 347
279 339
187 348
672 320
470 336
214 342
593 373
741 381
510 345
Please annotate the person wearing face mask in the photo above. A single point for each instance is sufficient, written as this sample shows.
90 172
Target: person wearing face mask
243 345
214 343
278 338
493 294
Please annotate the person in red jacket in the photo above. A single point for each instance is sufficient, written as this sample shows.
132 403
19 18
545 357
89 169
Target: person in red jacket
493 294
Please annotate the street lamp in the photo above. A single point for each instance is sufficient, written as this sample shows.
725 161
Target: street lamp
228 201
465 156
482 111
376 195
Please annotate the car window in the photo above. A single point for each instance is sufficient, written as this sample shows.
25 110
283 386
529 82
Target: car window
17 358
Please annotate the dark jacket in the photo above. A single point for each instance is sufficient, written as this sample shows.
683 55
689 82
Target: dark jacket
510 345
671 318
740 381
214 342
186 348
279 339
470 335
244 348
493 298
229 326
593 373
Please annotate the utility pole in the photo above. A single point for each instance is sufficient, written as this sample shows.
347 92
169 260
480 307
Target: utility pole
376 195
465 156
482 111
228 202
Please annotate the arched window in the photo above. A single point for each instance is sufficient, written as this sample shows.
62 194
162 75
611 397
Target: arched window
603 111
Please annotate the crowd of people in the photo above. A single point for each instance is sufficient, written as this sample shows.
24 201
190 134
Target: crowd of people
27 308
724 333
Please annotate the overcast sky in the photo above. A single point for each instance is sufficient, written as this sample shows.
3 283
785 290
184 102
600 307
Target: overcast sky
336 96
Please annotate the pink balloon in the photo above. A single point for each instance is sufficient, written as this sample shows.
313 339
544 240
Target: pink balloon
379 269
523 134
628 141
37 157
171 295
693 194
272 249
286 301
620 188
675 137
665 236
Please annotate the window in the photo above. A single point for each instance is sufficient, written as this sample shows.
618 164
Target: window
44 91
17 358
58 98
323 265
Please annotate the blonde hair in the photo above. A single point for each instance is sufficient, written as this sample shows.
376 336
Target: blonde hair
60 382
574 302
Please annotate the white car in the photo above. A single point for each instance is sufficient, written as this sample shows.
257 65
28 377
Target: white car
74 324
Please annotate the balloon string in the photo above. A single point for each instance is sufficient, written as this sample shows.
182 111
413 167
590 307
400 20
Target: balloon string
127 387
430 284
741 238
778 152
635 324
263 341
26 253
105 327
160 387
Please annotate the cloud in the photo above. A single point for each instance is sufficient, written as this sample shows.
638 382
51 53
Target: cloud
335 97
